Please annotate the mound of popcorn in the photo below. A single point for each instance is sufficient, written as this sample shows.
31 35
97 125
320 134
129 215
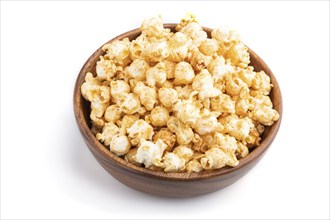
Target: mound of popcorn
179 101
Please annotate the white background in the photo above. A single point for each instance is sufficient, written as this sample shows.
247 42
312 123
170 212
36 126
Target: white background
48 172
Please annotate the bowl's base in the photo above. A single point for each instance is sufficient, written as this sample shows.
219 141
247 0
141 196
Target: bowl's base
175 188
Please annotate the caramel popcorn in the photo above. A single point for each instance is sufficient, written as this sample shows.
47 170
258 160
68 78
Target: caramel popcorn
179 102
184 74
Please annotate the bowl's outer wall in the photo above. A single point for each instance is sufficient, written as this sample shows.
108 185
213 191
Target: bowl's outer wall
161 184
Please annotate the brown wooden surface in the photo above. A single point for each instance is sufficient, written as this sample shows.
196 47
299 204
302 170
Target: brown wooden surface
170 184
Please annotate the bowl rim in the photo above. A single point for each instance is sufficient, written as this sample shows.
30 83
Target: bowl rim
105 154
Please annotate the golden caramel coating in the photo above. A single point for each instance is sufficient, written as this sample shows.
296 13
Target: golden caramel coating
126 122
214 159
188 111
109 130
150 153
184 152
118 51
129 103
167 136
118 88
184 74
195 31
179 44
197 59
159 116
172 162
194 166
112 113
168 97
209 47
156 75
106 69
156 51
140 130
203 83
137 70
179 101
147 95
129 156
153 27
223 103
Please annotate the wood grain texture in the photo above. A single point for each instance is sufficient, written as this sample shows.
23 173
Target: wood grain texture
170 184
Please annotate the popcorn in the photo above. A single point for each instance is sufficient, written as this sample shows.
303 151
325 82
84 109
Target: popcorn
109 130
225 35
118 89
184 134
209 47
239 55
248 75
242 150
137 70
112 113
168 97
184 74
234 86
214 159
118 51
226 39
169 69
97 111
195 31
261 82
130 155
140 130
184 152
223 103
93 91
146 94
253 139
156 51
194 166
228 145
105 69
265 115
153 27
159 116
173 124
197 59
179 44
219 68
184 21
188 111
184 92
126 122
238 128
207 123
99 96
137 47
129 103
242 107
173 163
167 136
179 102
120 144
150 153
203 83
156 75
168 84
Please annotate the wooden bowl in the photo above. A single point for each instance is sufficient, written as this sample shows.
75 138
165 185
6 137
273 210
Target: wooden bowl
170 184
